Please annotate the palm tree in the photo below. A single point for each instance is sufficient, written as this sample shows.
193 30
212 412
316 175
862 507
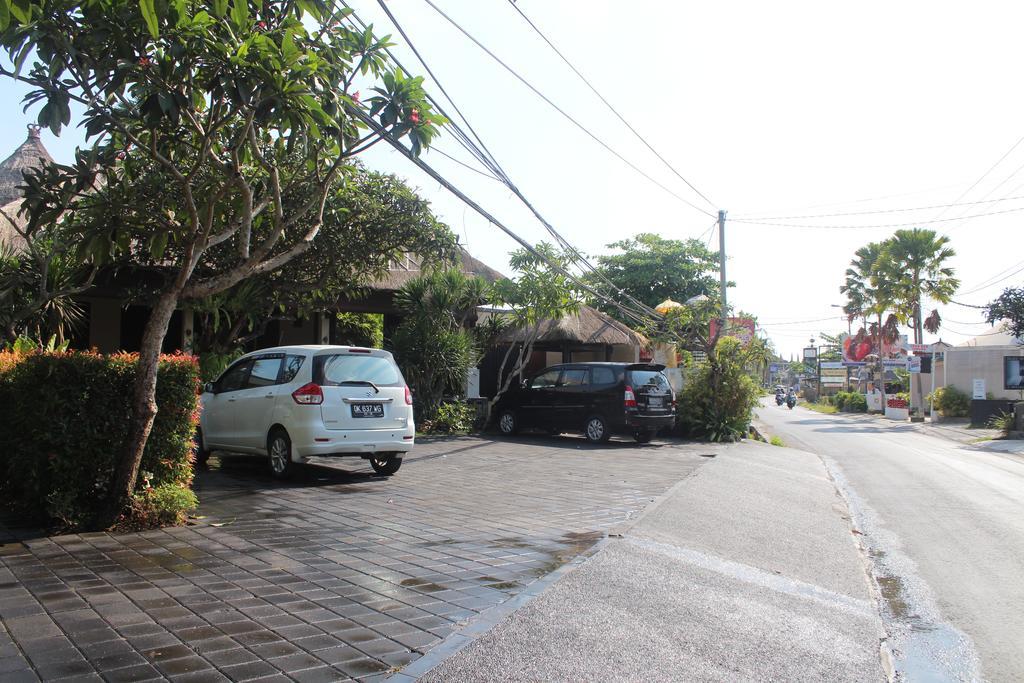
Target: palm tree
912 266
860 287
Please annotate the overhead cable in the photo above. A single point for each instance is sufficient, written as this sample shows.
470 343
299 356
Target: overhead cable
426 168
983 175
565 114
878 211
601 97
503 177
873 226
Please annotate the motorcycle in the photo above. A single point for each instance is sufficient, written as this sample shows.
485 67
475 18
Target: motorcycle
779 399
790 402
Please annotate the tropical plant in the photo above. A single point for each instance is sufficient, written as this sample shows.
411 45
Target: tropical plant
433 345
220 131
719 396
1008 306
950 401
541 291
650 268
1004 422
913 263
360 329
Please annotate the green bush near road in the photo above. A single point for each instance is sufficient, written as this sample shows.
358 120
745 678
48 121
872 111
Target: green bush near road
66 417
718 399
951 402
851 402
453 417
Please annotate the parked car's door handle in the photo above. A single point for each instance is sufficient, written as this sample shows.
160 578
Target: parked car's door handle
268 396
232 400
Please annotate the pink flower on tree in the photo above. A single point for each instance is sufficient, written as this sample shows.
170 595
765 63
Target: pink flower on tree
355 97
145 62
414 116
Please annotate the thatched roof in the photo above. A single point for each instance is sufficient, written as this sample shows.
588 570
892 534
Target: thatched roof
8 235
589 326
410 266
30 155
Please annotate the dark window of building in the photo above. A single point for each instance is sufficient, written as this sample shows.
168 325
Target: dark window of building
1013 373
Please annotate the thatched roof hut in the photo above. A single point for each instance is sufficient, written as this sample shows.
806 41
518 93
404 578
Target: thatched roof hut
588 326
30 155
410 266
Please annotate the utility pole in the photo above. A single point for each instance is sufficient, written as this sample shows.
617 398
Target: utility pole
721 264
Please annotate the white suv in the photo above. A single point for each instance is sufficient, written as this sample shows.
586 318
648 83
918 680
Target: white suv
291 403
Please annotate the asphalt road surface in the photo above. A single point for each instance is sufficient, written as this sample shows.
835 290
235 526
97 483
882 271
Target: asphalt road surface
942 527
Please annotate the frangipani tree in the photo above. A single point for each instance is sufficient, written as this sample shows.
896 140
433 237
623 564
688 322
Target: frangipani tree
214 124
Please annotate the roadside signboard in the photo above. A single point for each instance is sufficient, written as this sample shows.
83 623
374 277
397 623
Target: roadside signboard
773 368
979 389
833 372
914 364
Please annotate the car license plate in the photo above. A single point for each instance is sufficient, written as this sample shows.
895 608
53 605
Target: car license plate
367 410
654 402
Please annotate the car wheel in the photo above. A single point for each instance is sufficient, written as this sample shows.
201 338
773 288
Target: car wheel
386 463
596 430
279 448
643 436
507 423
202 454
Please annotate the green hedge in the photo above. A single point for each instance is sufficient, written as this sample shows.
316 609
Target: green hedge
851 402
66 418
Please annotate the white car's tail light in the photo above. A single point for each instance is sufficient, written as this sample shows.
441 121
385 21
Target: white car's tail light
309 394
629 398
408 396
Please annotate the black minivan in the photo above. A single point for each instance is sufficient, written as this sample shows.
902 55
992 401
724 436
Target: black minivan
599 399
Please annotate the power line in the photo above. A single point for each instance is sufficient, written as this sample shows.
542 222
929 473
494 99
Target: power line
858 201
561 111
869 227
881 211
983 176
464 164
503 177
996 282
800 322
426 168
608 104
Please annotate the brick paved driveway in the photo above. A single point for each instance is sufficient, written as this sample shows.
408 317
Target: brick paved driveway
336 575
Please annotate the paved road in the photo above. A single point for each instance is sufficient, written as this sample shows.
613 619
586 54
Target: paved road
746 571
943 525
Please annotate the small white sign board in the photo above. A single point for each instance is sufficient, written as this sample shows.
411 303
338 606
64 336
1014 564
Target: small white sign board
979 389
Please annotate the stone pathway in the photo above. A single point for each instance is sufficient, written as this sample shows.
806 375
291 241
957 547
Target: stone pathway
337 575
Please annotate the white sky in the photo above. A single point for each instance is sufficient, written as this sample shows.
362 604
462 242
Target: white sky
774 109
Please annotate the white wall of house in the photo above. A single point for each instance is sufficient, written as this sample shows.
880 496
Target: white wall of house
966 364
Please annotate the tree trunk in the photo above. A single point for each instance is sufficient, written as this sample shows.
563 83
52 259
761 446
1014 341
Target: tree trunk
144 407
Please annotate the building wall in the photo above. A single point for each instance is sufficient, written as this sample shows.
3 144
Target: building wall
964 365
625 353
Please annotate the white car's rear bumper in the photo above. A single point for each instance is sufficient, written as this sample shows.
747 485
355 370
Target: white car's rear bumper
307 443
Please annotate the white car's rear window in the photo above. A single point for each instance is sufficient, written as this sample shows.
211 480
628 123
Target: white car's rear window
334 370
